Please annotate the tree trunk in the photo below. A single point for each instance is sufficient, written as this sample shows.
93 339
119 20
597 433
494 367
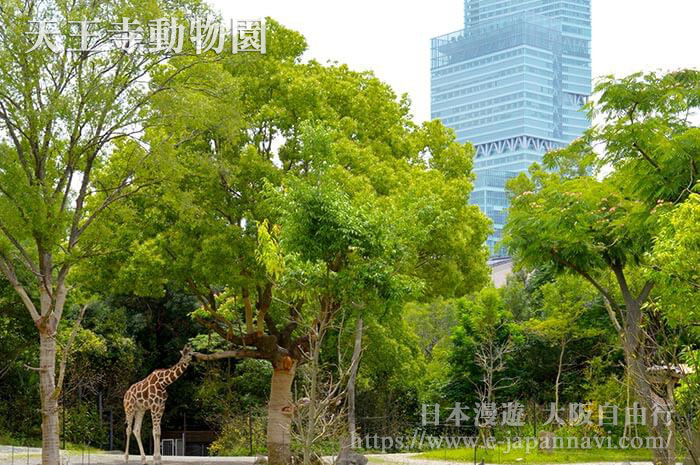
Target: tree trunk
49 402
348 443
636 363
637 359
671 406
557 382
691 439
280 411
310 432
354 364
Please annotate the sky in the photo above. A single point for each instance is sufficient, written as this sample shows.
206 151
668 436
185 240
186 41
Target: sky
392 37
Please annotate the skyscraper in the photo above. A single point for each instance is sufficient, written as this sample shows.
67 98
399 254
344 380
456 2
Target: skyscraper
512 82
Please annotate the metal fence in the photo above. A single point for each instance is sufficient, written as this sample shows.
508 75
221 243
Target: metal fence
26 455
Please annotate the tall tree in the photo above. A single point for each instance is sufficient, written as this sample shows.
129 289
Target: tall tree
604 229
483 346
675 264
564 305
296 190
62 116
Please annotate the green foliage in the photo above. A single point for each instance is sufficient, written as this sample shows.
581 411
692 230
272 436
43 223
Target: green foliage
632 234
483 319
688 394
83 425
390 377
391 359
627 233
69 123
550 311
432 323
68 118
309 188
237 436
232 389
306 181
255 171
649 133
577 223
18 386
572 220
517 297
565 305
676 257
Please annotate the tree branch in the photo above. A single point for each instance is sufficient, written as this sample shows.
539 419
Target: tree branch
612 315
241 353
66 351
9 272
606 294
644 295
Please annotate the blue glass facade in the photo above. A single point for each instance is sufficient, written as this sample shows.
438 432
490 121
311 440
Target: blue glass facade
512 82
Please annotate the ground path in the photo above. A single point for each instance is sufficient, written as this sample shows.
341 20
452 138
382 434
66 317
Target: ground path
32 456
414 459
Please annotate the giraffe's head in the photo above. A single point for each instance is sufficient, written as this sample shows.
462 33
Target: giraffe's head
186 354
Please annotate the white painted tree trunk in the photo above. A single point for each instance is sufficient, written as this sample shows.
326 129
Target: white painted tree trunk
280 411
49 402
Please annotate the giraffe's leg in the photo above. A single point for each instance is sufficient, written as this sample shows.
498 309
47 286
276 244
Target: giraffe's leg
137 432
156 415
129 423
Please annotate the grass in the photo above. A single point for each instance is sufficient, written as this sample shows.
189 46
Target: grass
7 439
77 449
500 455
72 448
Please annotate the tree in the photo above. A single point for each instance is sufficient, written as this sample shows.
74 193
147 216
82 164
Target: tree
493 350
432 323
483 346
604 229
67 120
18 386
688 414
321 413
295 191
564 305
675 263
390 377
676 260
352 381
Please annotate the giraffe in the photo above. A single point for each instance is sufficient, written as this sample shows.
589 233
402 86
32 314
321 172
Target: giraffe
150 394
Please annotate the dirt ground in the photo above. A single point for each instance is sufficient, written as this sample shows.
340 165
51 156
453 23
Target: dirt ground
32 456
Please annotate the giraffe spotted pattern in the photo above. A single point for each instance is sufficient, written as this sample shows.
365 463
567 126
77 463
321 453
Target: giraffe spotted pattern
150 394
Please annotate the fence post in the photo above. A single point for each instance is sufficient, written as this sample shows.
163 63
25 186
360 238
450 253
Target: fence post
63 415
250 434
111 429
184 433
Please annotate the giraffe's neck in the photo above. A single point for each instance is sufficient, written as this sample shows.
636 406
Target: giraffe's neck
175 372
